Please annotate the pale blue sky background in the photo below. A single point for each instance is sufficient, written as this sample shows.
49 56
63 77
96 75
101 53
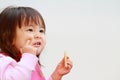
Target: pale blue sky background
89 30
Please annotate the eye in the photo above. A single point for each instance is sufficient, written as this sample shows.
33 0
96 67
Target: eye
42 30
30 30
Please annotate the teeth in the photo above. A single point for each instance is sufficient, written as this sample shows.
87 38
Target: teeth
37 43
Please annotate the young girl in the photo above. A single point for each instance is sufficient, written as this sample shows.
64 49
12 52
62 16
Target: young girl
22 39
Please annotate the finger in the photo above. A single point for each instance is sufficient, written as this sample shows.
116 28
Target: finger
69 65
28 42
69 62
66 61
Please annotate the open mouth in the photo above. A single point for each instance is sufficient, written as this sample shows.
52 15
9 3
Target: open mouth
37 44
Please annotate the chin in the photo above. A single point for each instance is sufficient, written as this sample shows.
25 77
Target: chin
39 52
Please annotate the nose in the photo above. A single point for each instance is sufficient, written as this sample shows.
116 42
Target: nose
37 35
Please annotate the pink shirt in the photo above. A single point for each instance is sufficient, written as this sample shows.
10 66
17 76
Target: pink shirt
26 69
37 74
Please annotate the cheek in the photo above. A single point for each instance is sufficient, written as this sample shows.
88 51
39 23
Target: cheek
26 37
44 41
21 41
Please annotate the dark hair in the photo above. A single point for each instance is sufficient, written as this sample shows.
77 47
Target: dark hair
10 18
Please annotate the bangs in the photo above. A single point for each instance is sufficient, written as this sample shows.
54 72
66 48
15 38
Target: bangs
33 20
30 16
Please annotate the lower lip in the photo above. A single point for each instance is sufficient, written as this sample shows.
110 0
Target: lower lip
36 45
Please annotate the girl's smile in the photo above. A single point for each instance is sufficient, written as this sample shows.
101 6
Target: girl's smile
37 44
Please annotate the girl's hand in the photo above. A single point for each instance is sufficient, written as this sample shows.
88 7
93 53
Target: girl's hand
28 48
61 69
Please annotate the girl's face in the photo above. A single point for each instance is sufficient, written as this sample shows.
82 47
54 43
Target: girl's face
34 33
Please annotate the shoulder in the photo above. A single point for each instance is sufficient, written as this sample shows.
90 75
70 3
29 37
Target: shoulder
6 60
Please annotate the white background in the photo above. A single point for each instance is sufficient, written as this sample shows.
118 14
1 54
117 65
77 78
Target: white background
89 30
